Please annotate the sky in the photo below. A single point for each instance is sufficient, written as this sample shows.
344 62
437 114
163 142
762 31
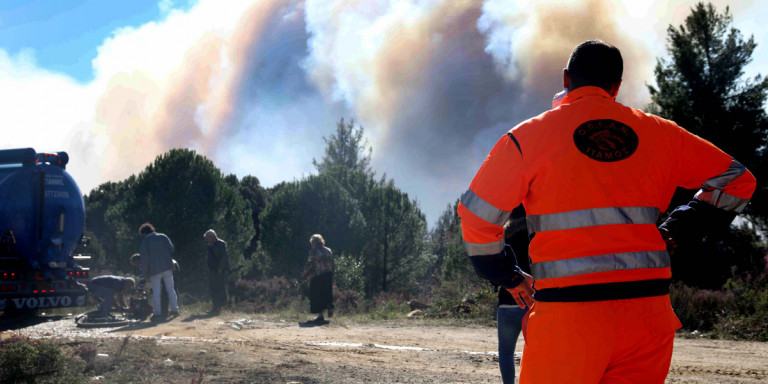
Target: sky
64 35
256 84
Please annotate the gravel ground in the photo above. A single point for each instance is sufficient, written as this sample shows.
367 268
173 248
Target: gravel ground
238 348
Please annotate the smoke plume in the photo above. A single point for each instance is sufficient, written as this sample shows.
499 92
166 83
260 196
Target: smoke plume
255 85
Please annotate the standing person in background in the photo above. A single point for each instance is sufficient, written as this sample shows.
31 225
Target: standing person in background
509 314
156 252
218 270
319 272
135 261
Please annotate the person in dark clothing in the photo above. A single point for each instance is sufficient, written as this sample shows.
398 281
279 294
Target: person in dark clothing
106 288
509 315
218 269
319 272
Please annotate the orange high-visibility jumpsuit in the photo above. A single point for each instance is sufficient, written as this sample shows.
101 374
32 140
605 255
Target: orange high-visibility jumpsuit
594 176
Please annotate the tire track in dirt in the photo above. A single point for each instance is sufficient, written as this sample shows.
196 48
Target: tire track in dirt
757 374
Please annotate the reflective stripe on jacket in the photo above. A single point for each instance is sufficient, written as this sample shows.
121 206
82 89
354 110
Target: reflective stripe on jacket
594 176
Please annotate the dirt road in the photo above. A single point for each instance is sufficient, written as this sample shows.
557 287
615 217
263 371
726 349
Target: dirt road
233 348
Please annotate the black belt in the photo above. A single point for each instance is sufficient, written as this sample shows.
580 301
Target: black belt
608 291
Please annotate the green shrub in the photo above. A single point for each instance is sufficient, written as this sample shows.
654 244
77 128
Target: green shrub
279 294
749 317
459 299
744 327
267 295
347 301
738 311
24 360
387 306
349 273
700 309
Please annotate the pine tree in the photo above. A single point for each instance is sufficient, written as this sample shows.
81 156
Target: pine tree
702 87
347 156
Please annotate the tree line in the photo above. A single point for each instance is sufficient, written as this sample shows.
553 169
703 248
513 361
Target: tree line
377 231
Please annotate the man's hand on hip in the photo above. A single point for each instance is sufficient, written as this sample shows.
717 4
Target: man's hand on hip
523 292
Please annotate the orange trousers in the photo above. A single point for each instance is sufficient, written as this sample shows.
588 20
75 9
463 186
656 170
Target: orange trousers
600 342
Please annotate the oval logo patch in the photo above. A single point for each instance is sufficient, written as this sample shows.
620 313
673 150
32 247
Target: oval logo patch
605 140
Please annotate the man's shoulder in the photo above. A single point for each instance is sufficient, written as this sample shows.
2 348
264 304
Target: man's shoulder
660 120
534 124
660 125
162 237
554 117
535 130
645 116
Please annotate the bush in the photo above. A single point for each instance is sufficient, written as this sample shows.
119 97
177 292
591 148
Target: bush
738 311
280 293
276 293
24 360
347 301
462 300
349 273
744 327
749 317
700 309
387 306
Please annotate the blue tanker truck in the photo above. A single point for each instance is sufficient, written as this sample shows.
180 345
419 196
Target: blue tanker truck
42 218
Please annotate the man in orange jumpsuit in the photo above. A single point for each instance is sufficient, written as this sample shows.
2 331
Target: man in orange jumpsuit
594 176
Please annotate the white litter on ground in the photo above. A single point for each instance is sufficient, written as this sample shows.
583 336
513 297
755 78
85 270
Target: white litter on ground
240 324
334 344
400 348
361 345
341 344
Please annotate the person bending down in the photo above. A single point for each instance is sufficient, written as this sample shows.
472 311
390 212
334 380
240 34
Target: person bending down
106 288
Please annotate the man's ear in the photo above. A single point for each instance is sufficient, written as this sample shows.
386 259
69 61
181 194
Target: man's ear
566 79
614 91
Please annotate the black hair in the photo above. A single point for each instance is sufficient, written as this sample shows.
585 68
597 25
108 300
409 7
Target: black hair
146 228
596 63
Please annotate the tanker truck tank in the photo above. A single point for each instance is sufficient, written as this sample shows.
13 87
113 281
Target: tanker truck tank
42 218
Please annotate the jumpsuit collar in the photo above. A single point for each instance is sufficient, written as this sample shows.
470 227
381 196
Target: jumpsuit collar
585 91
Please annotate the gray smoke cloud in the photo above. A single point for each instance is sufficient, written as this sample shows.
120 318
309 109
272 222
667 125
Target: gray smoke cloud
440 82
256 84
